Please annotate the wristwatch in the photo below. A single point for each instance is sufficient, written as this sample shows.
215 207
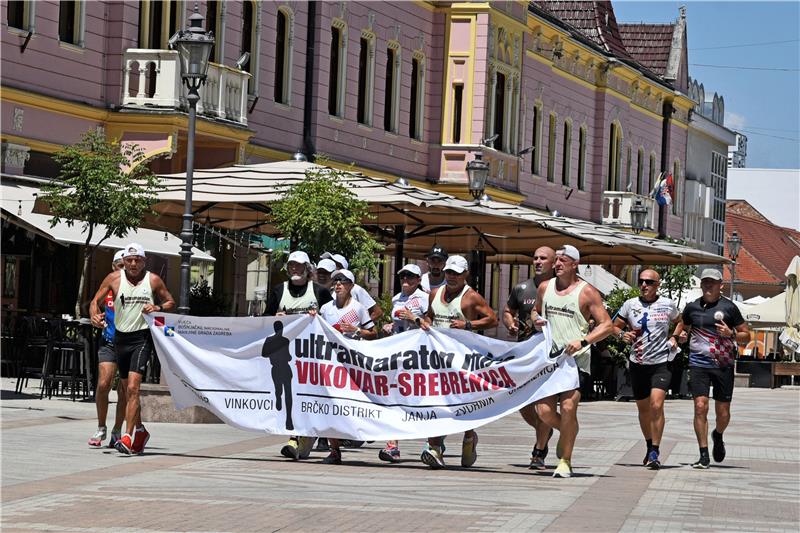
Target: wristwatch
468 325
584 343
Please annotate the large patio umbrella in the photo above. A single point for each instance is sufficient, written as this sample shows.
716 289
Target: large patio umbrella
414 218
790 338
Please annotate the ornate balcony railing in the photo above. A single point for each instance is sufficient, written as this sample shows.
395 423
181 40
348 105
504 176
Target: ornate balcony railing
153 81
617 209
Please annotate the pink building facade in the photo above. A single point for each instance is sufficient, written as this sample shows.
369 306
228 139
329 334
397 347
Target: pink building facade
575 112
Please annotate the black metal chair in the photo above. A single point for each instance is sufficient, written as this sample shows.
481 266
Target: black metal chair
31 351
65 364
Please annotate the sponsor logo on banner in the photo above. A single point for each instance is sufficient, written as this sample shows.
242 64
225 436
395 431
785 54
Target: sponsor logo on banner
298 375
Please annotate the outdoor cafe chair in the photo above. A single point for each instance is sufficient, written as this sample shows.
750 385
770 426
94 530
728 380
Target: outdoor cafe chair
65 362
31 352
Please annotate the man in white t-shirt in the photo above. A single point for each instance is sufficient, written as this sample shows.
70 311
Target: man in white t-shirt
358 293
434 277
648 318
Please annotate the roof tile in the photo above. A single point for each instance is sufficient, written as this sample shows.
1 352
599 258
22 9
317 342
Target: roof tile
649 44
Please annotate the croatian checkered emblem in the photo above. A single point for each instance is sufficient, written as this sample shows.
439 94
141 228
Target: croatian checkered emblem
350 317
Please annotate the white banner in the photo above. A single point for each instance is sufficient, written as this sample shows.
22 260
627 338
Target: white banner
298 375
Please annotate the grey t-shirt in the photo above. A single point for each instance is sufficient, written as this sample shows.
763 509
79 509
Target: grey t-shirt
651 321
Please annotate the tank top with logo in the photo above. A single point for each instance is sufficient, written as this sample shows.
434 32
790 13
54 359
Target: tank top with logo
444 312
567 323
292 305
130 301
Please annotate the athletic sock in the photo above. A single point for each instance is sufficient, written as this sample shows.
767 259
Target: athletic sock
649 444
655 448
704 451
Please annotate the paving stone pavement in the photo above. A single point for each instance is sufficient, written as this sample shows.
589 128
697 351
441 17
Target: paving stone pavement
217 478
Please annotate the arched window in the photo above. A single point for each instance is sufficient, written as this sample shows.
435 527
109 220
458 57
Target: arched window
366 66
391 105
337 68
283 56
499 109
628 164
551 149
614 157
582 158
536 140
566 156
640 172
415 118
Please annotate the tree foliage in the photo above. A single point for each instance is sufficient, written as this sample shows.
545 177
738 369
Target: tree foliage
320 214
614 301
101 182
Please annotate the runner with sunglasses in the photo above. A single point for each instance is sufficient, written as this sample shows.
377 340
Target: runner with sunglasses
647 319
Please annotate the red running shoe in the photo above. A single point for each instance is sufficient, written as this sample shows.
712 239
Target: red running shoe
140 438
125 444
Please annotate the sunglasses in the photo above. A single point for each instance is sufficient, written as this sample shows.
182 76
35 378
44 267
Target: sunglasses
406 275
647 282
343 281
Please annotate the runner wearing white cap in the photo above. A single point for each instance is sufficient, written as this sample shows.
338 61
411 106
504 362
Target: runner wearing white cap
107 369
456 305
358 293
567 303
296 296
135 293
408 309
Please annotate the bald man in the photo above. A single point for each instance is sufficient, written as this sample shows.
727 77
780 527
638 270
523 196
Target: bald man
644 323
517 320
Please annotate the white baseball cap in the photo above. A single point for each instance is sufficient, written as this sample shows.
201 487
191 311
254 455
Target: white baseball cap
134 248
118 256
711 273
299 257
457 264
570 251
327 265
411 268
339 258
346 273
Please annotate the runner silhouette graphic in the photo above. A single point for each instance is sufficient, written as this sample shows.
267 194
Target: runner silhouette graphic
276 349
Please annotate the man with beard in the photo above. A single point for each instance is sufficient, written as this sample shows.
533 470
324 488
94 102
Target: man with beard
296 296
566 304
456 305
517 319
434 277
716 325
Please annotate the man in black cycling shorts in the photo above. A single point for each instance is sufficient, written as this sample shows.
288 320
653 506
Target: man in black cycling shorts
716 325
135 292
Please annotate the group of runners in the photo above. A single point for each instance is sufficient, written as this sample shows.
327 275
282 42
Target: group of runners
554 296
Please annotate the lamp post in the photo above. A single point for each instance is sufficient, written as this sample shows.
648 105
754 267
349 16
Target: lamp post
194 46
734 245
478 172
638 216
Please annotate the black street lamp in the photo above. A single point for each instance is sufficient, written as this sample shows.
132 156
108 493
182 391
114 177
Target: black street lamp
734 245
478 172
194 46
638 216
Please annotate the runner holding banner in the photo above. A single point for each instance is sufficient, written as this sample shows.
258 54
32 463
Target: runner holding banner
407 386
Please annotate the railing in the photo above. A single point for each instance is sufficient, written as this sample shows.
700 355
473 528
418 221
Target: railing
503 167
617 209
153 81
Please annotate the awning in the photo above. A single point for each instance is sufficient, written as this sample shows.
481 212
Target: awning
238 198
17 205
601 279
771 312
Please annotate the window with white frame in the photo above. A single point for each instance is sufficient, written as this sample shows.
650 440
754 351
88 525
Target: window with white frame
504 88
415 118
551 148
283 56
676 187
640 188
158 21
628 165
614 157
566 156
214 24
20 14
366 78
71 16
582 158
391 105
536 140
251 42
653 172
337 68
458 110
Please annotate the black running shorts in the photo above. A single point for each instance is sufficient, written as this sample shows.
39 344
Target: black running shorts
645 378
702 379
106 353
133 351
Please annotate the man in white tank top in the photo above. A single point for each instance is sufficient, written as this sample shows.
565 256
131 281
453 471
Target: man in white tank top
567 303
135 293
456 305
